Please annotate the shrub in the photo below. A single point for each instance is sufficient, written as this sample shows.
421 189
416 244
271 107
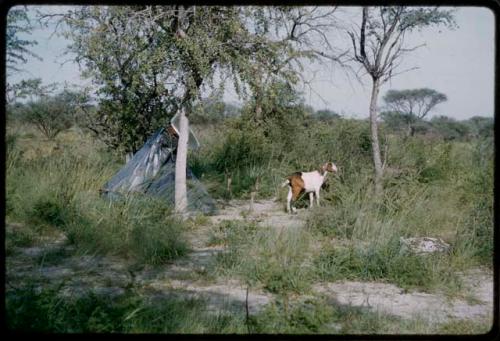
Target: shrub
51 212
386 261
280 261
60 189
139 227
31 310
50 115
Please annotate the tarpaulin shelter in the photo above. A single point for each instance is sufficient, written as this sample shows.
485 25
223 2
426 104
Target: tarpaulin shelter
152 171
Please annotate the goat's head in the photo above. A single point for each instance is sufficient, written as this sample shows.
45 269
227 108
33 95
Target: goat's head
329 167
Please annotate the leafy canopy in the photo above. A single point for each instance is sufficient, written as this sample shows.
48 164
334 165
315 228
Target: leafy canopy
148 61
413 103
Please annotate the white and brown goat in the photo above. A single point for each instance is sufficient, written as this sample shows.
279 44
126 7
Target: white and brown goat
307 182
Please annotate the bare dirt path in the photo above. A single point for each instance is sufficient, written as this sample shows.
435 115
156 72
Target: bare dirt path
55 262
390 299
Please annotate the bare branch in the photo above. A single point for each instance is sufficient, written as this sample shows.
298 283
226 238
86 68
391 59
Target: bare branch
398 73
362 34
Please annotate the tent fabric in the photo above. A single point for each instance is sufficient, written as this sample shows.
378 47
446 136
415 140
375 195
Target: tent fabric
152 171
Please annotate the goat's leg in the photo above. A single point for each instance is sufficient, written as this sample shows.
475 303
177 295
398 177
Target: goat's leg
317 197
295 196
311 199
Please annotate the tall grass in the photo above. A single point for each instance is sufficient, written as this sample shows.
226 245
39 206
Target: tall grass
30 310
280 260
431 188
58 188
443 194
246 152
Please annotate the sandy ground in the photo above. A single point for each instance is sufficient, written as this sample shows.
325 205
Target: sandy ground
187 277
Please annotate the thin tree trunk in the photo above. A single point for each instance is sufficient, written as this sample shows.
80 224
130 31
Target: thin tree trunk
180 165
258 111
377 162
410 131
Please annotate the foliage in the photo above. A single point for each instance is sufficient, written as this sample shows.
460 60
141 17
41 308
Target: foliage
139 228
18 22
50 115
449 128
59 189
212 111
412 105
388 262
413 102
147 61
278 260
325 115
29 88
480 126
49 310
479 186
120 56
435 188
378 46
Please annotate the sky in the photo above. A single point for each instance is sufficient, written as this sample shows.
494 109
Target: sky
458 63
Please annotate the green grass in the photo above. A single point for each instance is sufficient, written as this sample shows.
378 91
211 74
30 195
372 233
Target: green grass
280 260
142 229
320 316
31 310
436 188
387 263
59 189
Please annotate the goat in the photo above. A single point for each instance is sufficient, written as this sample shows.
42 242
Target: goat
308 182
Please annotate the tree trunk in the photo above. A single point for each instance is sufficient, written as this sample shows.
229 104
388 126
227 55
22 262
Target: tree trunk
258 111
180 165
258 104
410 130
377 162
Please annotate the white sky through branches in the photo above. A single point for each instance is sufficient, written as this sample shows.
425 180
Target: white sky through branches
458 63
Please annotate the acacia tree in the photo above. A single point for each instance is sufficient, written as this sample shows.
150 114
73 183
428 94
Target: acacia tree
178 49
300 33
239 43
117 52
413 104
169 54
18 49
378 45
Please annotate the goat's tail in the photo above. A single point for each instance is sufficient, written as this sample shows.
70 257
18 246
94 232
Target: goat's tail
287 182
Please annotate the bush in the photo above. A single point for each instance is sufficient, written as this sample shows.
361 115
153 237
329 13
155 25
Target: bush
272 151
31 310
449 128
50 115
139 228
61 190
477 191
386 261
280 261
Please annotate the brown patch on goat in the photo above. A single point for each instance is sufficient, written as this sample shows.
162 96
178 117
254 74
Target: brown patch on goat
297 184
